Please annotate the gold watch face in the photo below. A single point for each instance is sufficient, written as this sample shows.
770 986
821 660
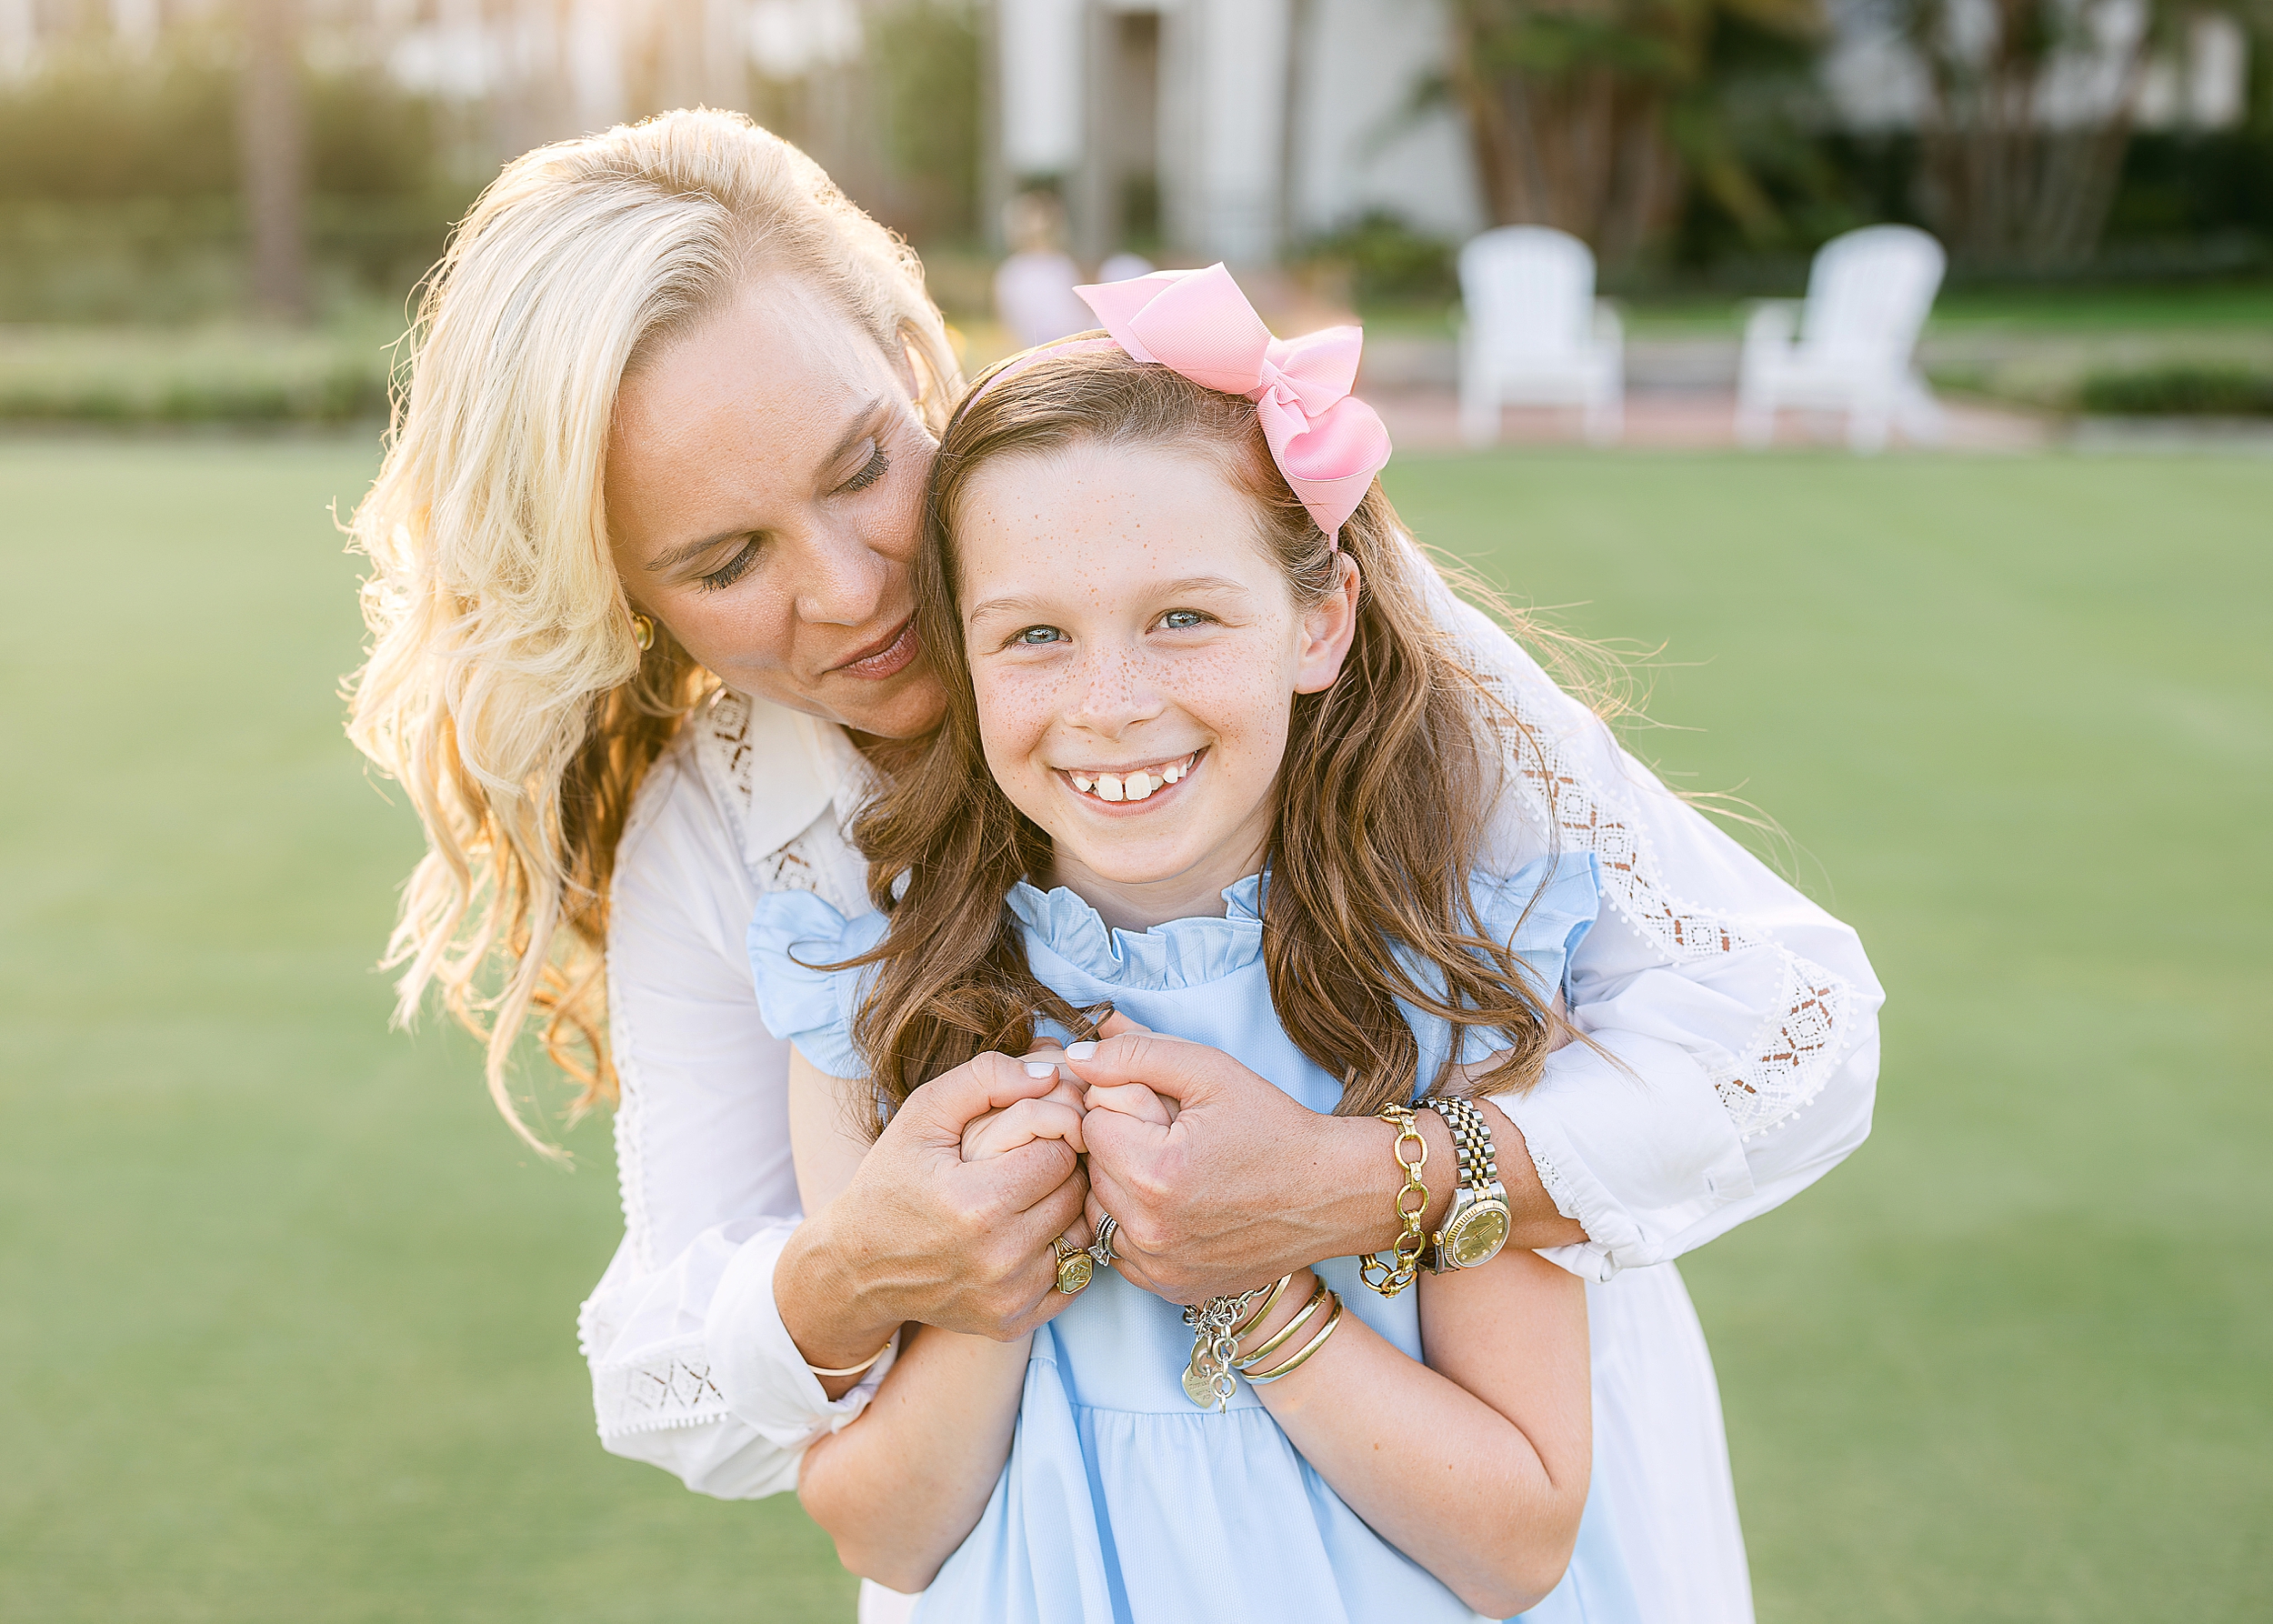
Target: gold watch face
1479 1235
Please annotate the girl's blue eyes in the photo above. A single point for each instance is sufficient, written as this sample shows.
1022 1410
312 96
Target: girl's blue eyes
1040 637
736 567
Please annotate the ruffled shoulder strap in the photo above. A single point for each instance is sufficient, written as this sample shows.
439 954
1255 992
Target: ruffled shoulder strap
1542 911
793 934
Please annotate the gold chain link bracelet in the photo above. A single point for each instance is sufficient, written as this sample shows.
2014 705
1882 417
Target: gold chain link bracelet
1393 1277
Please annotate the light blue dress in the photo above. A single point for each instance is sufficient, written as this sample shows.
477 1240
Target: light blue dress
1121 1501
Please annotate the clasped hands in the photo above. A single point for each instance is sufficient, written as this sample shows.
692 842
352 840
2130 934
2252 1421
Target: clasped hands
1060 1114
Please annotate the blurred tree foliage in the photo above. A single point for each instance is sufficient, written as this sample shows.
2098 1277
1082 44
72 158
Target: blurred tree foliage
119 198
923 56
2019 163
899 128
99 126
1596 116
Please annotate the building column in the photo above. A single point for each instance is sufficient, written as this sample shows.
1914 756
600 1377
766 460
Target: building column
1224 83
1041 64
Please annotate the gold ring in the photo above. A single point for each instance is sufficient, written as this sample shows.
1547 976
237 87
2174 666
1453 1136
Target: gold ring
1074 1266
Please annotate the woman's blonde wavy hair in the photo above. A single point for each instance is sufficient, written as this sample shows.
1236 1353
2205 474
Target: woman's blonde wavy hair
504 688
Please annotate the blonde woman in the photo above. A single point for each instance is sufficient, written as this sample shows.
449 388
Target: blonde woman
640 609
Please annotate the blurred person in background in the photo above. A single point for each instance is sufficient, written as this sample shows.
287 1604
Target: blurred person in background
1034 286
640 607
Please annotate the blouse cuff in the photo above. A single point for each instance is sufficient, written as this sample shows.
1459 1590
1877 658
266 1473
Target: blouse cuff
756 1364
1633 1144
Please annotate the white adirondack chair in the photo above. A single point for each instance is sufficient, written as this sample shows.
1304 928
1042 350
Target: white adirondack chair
1534 334
1848 348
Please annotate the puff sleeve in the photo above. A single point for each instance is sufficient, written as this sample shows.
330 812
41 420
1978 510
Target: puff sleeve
795 937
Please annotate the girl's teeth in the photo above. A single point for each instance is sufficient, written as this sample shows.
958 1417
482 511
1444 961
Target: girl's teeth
1134 786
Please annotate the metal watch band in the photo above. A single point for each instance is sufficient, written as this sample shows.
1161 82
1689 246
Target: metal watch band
1472 1139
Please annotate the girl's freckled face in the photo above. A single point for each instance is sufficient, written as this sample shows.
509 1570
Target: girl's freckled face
1135 653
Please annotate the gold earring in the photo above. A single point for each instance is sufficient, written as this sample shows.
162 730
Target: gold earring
643 632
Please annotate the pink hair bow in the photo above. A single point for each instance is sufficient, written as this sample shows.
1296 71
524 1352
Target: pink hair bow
1328 443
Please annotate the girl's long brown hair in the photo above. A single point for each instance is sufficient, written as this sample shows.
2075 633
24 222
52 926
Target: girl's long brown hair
1389 778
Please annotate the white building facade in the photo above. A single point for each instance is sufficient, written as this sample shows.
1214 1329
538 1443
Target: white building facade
1229 128
1256 125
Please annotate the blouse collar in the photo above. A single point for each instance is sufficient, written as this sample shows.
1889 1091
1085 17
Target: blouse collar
793 767
1179 953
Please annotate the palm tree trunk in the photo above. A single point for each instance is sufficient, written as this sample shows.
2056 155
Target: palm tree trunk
271 142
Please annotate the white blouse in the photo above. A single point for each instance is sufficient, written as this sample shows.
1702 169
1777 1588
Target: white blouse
1745 1017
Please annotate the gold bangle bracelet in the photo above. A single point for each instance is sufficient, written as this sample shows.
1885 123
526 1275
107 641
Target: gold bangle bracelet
863 1365
1263 1313
1286 1332
1264 1378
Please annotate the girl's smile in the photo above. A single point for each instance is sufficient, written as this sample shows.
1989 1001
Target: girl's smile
1131 787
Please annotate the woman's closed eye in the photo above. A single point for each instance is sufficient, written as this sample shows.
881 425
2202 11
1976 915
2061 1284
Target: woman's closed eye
879 464
734 569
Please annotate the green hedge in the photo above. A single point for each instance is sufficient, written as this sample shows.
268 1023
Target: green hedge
221 373
2178 390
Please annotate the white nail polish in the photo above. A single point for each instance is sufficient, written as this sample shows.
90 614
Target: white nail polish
1109 788
1040 1069
1080 1051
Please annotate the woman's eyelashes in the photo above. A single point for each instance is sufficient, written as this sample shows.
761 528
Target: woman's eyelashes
734 569
878 465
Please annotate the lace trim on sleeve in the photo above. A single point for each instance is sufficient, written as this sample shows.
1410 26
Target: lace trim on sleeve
1552 1181
1793 1052
669 1389
631 1167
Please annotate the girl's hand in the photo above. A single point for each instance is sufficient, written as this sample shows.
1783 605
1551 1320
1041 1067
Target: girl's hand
1131 1099
1053 1116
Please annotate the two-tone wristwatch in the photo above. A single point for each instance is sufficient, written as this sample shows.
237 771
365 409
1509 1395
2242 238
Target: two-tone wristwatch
1476 1225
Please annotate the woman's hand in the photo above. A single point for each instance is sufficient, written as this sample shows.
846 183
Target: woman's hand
1242 1184
919 1234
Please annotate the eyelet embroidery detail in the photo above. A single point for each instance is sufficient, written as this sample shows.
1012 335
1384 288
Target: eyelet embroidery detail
670 1388
1792 1053
1552 1181
724 735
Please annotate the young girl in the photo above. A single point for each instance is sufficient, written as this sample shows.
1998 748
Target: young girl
1207 762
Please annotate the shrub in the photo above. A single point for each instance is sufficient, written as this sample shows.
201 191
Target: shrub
2183 390
1388 260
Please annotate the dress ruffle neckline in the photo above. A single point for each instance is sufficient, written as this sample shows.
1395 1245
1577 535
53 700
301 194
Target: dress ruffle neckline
1180 953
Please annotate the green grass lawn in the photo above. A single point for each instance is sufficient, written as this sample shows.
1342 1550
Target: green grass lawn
289 1325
